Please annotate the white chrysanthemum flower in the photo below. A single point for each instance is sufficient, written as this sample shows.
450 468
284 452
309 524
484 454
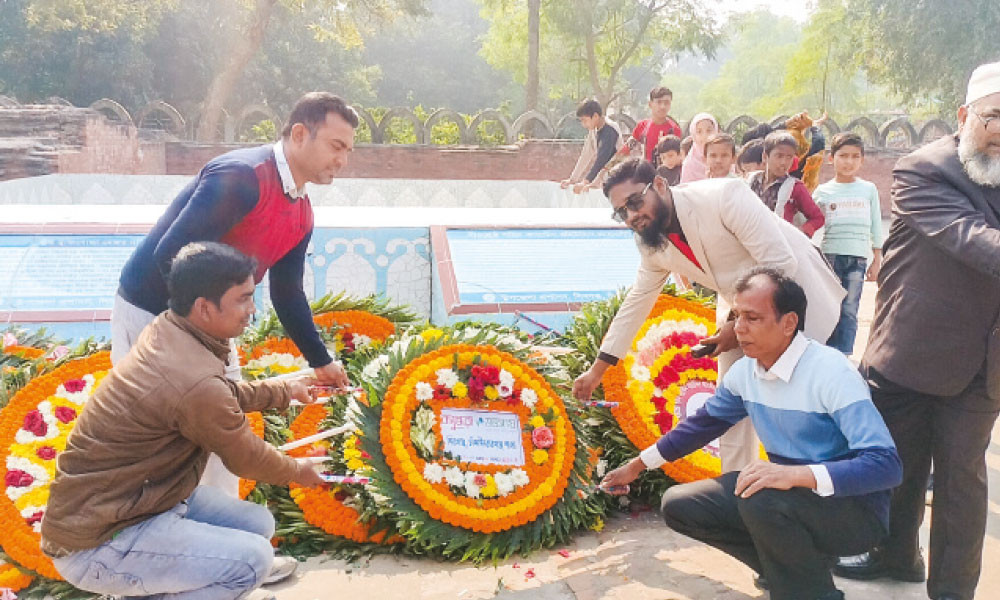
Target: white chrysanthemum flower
602 468
471 489
529 397
519 477
505 484
506 378
447 377
361 341
424 391
372 369
454 476
640 373
433 472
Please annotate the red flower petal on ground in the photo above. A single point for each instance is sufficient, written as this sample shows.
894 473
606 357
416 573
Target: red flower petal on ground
529 574
65 414
18 478
542 437
35 423
564 553
74 385
46 453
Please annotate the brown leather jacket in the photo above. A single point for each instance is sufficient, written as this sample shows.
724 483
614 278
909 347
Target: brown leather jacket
142 441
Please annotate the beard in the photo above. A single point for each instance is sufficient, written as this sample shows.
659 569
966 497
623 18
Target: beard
979 166
654 235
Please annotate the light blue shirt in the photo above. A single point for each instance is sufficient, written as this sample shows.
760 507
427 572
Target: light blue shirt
853 217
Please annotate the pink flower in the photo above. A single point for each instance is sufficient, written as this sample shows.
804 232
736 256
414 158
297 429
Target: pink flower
9 339
479 480
58 352
74 385
542 437
46 453
476 387
35 423
65 414
18 478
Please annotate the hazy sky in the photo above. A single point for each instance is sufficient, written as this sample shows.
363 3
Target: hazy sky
797 9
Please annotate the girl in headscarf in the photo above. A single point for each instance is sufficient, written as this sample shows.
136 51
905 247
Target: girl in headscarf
702 127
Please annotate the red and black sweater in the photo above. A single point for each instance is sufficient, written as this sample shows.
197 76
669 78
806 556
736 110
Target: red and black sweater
236 199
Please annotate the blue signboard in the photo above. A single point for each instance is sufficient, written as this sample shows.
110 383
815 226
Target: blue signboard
541 265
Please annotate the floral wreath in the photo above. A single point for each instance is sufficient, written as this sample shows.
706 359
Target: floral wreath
658 383
328 509
13 579
34 428
256 422
463 501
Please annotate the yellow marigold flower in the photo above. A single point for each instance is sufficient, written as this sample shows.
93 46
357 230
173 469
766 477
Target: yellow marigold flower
352 453
539 456
355 464
431 334
491 393
460 390
537 421
490 489
598 525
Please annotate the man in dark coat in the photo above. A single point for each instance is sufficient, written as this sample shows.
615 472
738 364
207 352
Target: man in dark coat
933 359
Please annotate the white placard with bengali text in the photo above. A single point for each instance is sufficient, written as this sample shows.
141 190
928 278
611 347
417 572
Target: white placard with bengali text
482 436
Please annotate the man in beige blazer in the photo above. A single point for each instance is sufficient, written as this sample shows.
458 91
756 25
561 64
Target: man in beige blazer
709 231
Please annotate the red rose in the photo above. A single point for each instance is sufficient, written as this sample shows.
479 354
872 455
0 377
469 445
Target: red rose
479 480
65 414
666 377
35 423
476 387
665 421
46 453
74 385
491 375
542 437
35 518
18 478
348 339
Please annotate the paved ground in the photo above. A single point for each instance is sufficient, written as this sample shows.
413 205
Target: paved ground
633 558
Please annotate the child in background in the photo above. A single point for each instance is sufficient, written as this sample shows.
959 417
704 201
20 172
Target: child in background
853 226
649 132
720 154
667 159
686 144
603 140
703 126
750 157
785 195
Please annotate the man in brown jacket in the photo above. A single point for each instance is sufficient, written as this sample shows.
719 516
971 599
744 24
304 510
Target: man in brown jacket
933 360
126 515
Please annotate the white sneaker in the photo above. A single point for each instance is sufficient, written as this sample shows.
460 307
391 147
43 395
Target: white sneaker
281 569
259 594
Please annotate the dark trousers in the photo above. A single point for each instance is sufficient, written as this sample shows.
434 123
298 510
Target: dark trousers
788 536
955 433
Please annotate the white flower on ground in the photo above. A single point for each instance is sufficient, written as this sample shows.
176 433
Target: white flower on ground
447 378
424 391
434 472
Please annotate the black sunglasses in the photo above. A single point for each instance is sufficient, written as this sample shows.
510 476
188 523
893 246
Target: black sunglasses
633 203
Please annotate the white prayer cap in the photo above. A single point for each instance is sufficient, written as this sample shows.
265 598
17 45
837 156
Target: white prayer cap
985 80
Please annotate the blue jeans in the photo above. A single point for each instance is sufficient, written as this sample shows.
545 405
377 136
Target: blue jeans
208 547
851 272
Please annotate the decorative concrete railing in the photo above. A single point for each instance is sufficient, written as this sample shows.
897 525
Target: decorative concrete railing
897 133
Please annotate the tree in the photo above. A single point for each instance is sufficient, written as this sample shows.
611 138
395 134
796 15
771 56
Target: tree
925 49
343 21
597 40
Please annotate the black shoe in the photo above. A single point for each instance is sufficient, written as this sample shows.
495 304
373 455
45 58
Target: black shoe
871 565
760 582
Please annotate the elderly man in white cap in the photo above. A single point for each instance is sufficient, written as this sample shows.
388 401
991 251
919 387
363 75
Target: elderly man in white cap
933 359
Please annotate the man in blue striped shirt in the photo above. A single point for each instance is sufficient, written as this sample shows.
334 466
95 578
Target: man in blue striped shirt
825 491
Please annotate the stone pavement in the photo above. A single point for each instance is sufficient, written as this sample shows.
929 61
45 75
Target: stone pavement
635 557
